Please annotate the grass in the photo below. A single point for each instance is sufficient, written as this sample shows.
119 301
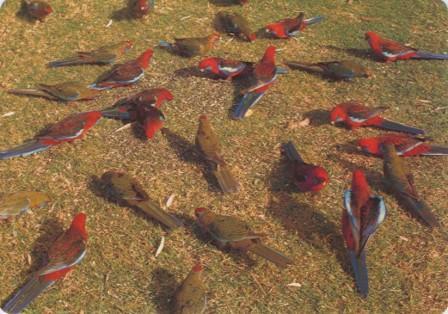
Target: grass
407 263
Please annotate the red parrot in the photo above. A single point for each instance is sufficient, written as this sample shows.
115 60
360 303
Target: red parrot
141 7
363 213
264 75
124 74
389 50
354 115
66 252
290 27
69 129
223 68
307 177
406 145
151 119
38 9
125 109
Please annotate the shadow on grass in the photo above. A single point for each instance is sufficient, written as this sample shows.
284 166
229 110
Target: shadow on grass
23 14
223 3
318 117
125 14
355 52
193 71
164 284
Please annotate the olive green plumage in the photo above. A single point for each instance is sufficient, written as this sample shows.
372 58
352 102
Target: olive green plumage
336 70
190 297
13 204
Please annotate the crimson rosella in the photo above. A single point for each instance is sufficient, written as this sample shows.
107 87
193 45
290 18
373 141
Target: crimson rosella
191 296
14 204
335 70
69 129
354 115
208 143
124 74
140 8
103 55
290 27
65 253
307 177
400 182
234 23
390 50
189 47
231 232
405 145
364 212
37 9
263 76
65 92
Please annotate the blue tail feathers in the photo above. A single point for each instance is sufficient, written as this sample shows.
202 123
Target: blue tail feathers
244 104
23 150
430 56
360 271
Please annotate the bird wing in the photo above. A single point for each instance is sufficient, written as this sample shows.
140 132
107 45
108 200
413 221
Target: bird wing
229 229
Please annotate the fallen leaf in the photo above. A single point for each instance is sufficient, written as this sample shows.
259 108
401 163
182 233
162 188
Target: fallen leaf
124 127
403 238
170 201
8 114
294 284
109 23
161 245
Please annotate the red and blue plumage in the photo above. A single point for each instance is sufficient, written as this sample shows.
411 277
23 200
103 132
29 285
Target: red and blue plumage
390 50
363 213
67 130
66 252
290 27
223 68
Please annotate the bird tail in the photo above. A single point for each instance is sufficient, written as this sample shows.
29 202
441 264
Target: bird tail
23 150
271 255
26 295
244 104
360 271
291 152
154 211
116 113
437 151
314 20
226 180
304 66
430 56
66 62
165 44
398 127
280 70
31 92
420 210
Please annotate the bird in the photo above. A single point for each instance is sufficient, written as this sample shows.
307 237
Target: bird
14 204
307 177
405 145
64 92
151 119
231 232
191 296
290 27
101 56
364 212
208 143
125 108
400 182
234 23
64 254
37 9
262 78
69 129
127 191
344 70
140 8
389 50
354 115
124 74
193 46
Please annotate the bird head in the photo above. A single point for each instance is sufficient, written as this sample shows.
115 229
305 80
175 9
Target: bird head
209 65
200 211
338 114
276 29
371 36
370 145
269 54
126 45
197 267
359 183
145 57
79 225
215 36
320 178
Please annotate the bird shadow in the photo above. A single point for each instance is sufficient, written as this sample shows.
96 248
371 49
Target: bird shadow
49 230
193 71
318 117
124 14
164 285
223 3
188 152
355 52
23 14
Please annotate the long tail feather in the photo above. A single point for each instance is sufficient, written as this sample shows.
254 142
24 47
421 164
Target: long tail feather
291 152
154 211
271 255
26 295
437 151
398 127
66 62
314 20
115 113
360 271
420 210
31 92
226 180
23 150
244 104
304 67
165 44
280 70
430 56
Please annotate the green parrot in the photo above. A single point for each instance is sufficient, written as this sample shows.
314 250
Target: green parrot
190 297
124 188
14 204
336 70
230 232
401 183
189 47
234 23
208 143
66 92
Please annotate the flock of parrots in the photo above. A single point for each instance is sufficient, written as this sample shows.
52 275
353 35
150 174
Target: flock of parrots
364 211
